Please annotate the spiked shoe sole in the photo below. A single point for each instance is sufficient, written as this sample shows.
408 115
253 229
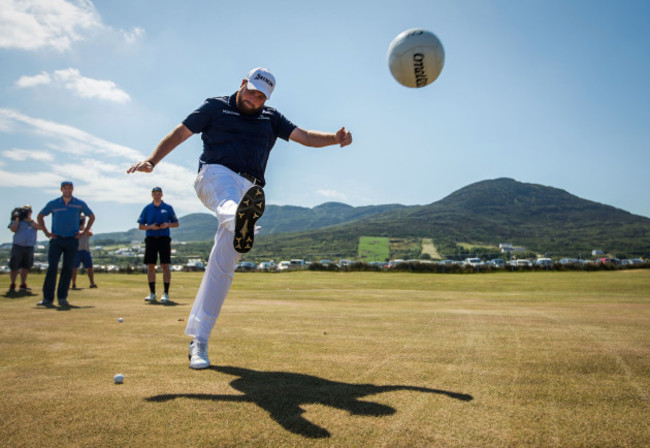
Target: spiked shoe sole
249 210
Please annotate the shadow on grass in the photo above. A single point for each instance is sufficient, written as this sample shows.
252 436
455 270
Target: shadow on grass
281 394
18 294
170 303
63 307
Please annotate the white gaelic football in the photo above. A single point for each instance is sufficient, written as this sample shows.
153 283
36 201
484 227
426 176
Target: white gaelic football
416 57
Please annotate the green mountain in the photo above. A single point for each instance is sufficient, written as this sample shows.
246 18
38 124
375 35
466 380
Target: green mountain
276 219
540 218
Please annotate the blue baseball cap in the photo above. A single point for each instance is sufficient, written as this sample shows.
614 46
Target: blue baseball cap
66 182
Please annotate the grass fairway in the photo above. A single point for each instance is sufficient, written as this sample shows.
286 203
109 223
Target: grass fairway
336 360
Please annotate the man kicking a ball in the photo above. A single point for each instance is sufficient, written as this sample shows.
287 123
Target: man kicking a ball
238 133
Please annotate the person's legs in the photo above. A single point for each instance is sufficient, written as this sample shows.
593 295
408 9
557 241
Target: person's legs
220 190
69 254
13 275
26 263
151 273
151 278
91 277
75 267
167 276
214 286
14 267
87 260
167 273
53 256
23 278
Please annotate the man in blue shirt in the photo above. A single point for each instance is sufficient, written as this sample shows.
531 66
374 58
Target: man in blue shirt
64 240
157 218
22 250
238 133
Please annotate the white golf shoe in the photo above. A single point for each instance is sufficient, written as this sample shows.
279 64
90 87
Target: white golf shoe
198 355
150 298
164 298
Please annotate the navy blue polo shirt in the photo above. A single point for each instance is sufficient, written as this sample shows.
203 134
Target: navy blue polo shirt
153 214
65 217
238 141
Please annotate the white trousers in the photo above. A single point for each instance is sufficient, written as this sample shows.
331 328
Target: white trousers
220 190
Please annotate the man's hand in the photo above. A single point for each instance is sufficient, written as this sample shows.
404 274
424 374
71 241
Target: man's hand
343 137
144 166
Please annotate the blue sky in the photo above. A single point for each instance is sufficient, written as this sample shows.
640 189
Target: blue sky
543 91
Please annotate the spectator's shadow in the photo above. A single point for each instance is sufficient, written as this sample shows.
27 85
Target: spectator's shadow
18 294
281 394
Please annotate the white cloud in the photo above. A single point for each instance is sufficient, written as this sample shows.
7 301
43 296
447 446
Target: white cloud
33 81
38 24
53 24
25 154
64 138
132 36
81 86
97 166
332 194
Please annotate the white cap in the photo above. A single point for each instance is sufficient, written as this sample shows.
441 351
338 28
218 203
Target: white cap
261 79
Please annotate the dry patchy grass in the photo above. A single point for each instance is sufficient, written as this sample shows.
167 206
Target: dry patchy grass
336 359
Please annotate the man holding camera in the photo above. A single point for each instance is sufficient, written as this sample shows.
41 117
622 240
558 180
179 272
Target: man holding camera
64 240
22 250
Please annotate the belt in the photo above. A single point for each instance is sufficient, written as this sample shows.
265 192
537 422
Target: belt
251 178
246 176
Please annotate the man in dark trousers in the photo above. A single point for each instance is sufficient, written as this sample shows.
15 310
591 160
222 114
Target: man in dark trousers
64 240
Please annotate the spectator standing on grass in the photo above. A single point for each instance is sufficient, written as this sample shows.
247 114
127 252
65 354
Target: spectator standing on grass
83 256
22 249
157 218
64 240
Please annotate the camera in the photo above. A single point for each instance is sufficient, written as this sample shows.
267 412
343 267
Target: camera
21 213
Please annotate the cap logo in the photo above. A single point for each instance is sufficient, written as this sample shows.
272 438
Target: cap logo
265 79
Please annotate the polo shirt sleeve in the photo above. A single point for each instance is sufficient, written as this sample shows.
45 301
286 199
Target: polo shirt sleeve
143 216
84 207
47 209
283 126
172 214
200 119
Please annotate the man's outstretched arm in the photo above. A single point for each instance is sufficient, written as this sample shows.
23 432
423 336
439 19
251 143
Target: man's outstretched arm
318 139
166 145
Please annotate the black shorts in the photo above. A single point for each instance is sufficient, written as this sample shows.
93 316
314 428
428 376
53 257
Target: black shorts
21 257
155 245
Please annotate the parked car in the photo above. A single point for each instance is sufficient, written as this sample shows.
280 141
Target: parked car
498 263
569 261
472 262
544 262
266 266
284 265
245 266
297 264
608 260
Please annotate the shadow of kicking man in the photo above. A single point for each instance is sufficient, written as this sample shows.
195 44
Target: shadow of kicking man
282 395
